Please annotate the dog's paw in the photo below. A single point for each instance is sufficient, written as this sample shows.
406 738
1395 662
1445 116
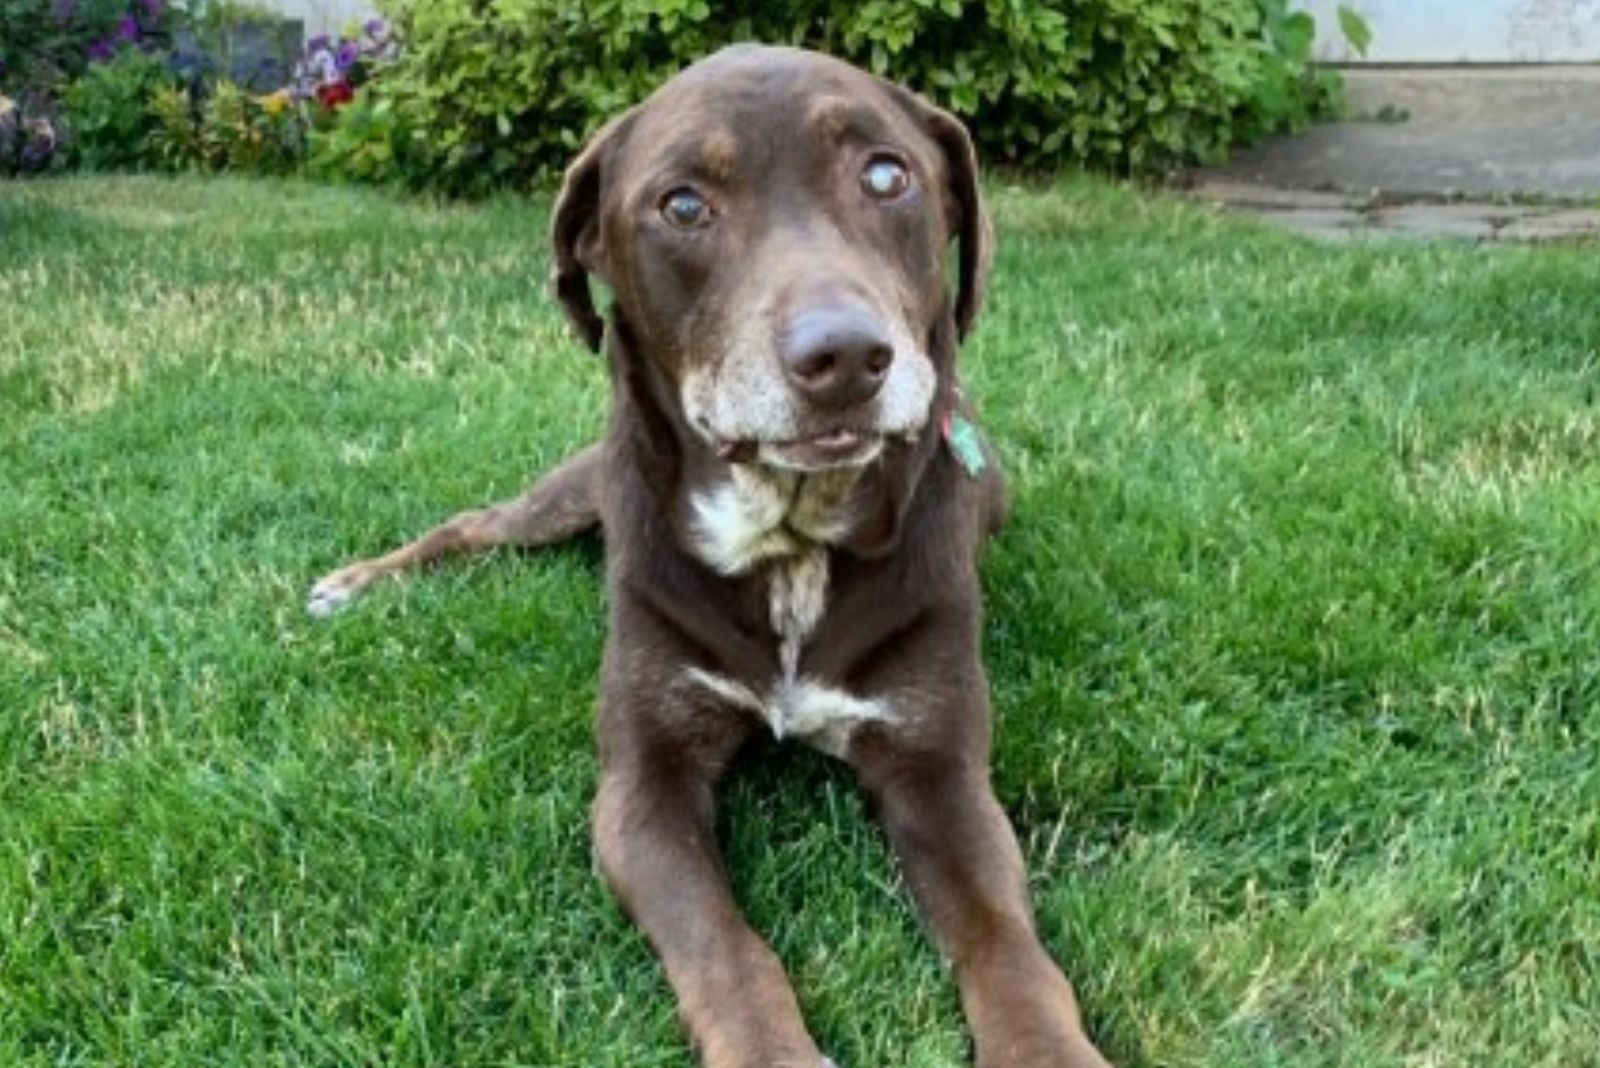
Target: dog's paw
333 593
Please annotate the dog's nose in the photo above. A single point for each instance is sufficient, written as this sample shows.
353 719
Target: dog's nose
836 357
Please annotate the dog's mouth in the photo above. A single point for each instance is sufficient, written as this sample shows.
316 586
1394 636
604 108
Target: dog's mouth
835 447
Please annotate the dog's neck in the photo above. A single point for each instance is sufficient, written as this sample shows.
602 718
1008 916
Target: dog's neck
760 514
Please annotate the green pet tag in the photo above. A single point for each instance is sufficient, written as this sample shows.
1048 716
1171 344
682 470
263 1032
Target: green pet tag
966 443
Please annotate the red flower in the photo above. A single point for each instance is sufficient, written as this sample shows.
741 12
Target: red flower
335 95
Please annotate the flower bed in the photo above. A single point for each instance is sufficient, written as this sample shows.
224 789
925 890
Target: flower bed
149 85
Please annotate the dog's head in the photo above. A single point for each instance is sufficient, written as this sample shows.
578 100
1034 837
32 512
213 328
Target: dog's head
774 225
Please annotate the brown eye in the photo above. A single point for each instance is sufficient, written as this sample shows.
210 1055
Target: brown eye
685 209
885 179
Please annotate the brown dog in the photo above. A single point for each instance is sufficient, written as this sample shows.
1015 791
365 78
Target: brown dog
793 501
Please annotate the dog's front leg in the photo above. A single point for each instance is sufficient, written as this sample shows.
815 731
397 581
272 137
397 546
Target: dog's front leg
961 860
653 824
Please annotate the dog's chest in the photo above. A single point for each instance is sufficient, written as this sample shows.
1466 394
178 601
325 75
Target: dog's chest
778 526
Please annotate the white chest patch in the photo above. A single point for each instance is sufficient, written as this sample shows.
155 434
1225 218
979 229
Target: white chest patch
785 522
741 522
821 716
761 514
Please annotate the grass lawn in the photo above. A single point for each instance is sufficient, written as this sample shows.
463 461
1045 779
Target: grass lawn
1295 641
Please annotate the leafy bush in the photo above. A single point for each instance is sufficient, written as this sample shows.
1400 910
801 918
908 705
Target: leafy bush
46 43
365 142
241 131
229 128
175 139
108 111
491 93
44 46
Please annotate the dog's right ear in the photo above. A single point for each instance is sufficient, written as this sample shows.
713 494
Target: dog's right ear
964 198
575 232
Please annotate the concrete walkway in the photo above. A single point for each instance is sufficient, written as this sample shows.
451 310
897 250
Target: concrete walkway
1487 153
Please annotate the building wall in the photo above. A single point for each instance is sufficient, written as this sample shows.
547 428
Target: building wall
325 16
1467 31
1404 31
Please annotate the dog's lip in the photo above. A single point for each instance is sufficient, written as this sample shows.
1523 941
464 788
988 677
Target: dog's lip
840 439
837 445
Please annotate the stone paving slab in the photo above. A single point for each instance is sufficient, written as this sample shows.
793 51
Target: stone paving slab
1451 131
1554 226
1239 194
1477 221
1481 153
1331 224
1340 216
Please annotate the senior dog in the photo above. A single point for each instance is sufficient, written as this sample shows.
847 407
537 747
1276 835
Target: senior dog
793 497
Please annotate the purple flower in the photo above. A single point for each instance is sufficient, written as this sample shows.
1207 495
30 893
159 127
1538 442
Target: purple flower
326 69
128 28
319 43
347 55
377 29
101 50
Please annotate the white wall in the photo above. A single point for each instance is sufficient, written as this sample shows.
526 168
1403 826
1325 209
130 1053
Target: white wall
1404 31
1455 31
325 16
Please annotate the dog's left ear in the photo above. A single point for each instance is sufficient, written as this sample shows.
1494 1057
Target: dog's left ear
971 224
575 232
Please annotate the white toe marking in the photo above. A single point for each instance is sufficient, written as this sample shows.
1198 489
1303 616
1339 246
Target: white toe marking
328 597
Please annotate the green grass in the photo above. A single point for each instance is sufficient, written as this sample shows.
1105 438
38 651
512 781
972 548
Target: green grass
1295 642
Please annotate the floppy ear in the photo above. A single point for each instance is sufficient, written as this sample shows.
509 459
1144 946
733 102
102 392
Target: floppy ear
971 227
977 236
575 233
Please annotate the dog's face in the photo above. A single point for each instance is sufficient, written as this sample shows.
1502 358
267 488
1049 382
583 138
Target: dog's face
774 224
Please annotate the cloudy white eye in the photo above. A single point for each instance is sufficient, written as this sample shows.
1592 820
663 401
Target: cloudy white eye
685 209
885 178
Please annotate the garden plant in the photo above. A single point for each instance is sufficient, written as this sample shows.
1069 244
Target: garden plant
475 96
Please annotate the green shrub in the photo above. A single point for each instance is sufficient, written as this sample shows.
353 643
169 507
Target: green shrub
108 111
491 93
44 45
229 128
364 141
175 139
243 132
